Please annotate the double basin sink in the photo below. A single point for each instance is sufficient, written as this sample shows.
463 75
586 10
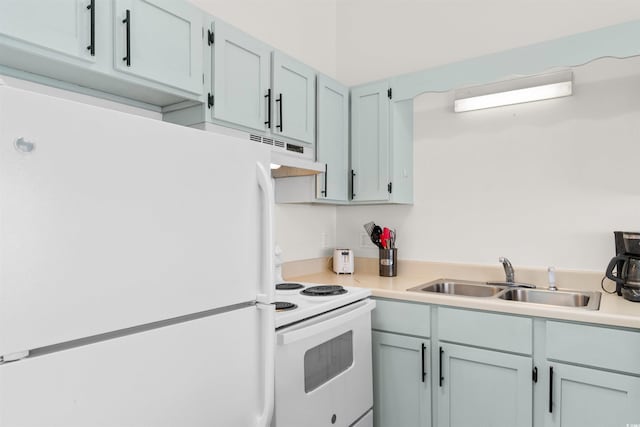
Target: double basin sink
513 292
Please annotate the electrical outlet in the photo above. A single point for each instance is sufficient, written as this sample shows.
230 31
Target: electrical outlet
365 241
325 240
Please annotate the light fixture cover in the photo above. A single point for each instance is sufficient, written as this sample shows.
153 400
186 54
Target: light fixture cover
516 91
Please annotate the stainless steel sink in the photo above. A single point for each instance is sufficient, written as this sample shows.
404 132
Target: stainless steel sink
586 300
512 292
460 287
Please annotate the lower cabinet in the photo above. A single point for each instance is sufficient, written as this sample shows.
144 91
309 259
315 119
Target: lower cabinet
401 382
500 370
483 388
585 397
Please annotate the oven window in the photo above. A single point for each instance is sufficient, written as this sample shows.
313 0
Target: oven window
328 360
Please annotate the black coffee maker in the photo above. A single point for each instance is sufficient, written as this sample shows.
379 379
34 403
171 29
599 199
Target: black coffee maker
627 265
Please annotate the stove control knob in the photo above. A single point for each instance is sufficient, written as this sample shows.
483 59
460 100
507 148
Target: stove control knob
333 419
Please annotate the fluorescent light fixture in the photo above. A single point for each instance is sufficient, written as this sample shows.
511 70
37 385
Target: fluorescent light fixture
275 166
517 91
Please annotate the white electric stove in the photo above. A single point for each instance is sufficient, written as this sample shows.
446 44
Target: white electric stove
298 301
323 356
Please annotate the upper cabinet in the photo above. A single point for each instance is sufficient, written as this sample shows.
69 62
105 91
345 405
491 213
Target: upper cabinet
370 177
332 140
250 87
240 72
63 26
294 99
381 146
146 53
159 40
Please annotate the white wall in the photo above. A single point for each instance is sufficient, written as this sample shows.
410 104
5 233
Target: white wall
382 38
306 30
363 40
543 183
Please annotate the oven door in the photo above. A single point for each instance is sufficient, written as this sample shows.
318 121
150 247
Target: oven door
323 369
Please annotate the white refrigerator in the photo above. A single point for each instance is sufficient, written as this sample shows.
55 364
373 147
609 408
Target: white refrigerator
136 274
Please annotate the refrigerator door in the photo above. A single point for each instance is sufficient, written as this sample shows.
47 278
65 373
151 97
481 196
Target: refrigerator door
109 220
198 373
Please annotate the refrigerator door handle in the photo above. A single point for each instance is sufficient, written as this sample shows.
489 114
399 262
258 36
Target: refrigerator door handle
265 298
268 314
267 276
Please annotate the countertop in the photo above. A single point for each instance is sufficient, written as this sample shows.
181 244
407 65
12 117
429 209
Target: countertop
614 310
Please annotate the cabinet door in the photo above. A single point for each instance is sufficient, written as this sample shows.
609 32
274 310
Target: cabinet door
584 397
401 383
240 70
370 142
164 42
484 388
294 99
63 26
333 140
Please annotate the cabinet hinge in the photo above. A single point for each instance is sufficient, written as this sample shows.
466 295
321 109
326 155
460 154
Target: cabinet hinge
390 187
14 357
210 100
534 375
211 37
389 93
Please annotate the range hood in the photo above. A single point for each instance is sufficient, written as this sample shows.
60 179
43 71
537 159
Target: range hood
285 166
288 159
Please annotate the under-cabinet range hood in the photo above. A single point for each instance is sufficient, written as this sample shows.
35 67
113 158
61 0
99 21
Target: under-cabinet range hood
288 159
284 166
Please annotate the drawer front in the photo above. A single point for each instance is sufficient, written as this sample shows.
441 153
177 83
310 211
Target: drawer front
402 317
596 346
490 330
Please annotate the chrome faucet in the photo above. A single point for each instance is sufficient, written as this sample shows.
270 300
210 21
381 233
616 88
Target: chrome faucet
510 276
508 269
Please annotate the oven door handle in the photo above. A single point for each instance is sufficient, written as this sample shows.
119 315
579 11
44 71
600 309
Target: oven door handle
305 332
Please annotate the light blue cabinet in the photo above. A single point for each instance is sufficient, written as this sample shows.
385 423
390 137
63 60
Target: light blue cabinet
62 26
581 387
401 381
294 99
81 45
370 161
584 397
240 78
332 144
483 388
159 40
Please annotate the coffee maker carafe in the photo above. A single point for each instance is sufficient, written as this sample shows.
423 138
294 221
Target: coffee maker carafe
627 265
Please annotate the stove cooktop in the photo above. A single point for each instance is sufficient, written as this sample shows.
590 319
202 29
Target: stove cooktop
313 299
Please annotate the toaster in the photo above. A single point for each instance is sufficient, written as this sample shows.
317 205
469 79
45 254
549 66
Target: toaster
343 261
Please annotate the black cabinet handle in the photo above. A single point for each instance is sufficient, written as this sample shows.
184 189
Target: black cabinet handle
324 192
353 188
279 101
441 376
127 21
92 47
268 97
550 389
424 372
